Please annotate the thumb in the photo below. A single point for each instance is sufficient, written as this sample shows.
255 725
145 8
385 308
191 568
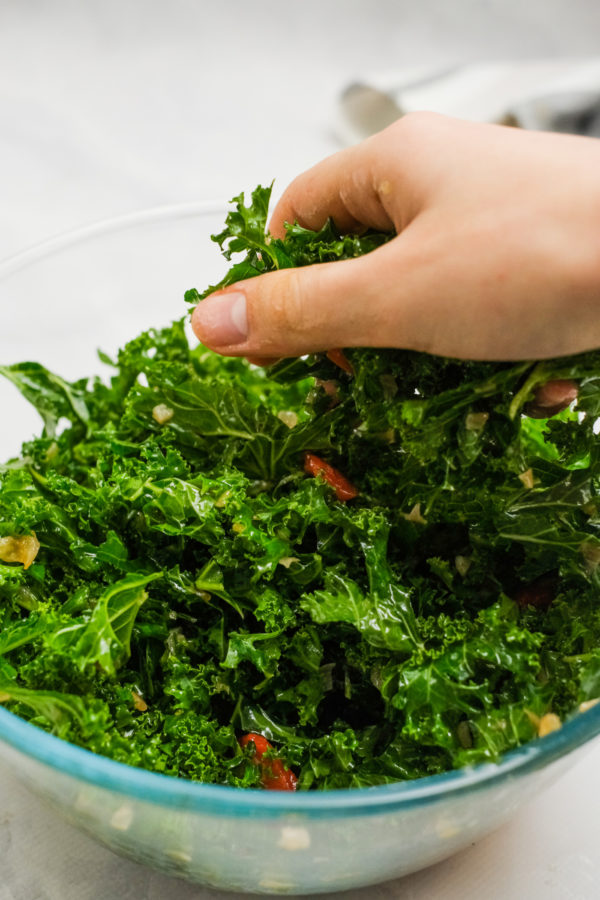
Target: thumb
295 311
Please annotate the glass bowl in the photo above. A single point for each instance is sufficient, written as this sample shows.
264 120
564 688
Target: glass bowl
96 288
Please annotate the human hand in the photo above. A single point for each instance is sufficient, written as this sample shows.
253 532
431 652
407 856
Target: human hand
497 255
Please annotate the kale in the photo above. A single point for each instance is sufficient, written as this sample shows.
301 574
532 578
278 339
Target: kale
171 576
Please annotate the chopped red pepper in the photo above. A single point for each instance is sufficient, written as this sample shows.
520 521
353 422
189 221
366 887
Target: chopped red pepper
343 488
539 593
274 775
551 398
339 358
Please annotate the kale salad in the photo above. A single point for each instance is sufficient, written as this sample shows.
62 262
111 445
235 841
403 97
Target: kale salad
352 568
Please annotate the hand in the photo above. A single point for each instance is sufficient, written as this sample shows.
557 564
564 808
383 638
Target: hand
497 255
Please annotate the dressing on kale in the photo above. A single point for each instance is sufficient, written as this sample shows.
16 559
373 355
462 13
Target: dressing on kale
192 583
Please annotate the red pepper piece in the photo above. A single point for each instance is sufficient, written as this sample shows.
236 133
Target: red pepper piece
539 593
551 398
274 775
343 488
339 358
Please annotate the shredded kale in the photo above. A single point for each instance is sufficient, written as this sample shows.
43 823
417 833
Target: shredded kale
171 578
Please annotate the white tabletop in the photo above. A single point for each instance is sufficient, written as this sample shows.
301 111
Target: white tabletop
116 106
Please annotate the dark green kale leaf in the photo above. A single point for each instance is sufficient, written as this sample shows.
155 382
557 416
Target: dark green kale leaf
52 396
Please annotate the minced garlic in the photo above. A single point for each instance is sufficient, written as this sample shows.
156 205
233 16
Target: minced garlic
162 414
22 548
548 723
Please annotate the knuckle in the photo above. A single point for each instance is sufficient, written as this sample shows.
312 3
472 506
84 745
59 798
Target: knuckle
287 309
418 123
296 313
421 119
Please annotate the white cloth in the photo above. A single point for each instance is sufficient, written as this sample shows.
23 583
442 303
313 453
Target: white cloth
549 95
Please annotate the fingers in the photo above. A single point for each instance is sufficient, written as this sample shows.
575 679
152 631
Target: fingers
389 298
382 183
451 292
374 300
473 273
345 187
295 311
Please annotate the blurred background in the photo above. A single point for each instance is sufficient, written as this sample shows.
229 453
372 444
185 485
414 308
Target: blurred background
116 106
113 106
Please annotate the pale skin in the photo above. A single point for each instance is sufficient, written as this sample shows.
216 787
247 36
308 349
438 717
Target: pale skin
497 254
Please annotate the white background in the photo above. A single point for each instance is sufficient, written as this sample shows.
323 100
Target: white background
112 106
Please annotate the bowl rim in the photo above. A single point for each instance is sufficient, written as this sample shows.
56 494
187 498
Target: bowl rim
167 790
64 239
153 787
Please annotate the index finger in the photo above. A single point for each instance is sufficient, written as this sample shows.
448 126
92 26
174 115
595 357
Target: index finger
344 187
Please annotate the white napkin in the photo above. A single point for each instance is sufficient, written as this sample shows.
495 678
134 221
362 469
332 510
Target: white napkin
547 95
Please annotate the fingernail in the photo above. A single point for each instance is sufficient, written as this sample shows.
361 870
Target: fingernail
221 320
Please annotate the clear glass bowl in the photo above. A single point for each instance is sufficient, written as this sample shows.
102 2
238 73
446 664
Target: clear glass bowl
97 288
